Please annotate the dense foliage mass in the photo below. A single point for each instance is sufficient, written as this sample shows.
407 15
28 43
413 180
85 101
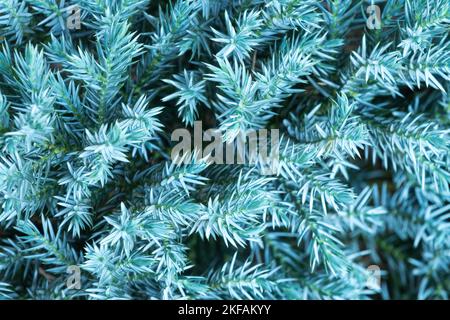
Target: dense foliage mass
88 188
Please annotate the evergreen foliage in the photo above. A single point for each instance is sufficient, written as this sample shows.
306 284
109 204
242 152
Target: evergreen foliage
87 179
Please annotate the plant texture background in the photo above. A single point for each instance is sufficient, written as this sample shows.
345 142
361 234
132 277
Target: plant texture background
88 190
